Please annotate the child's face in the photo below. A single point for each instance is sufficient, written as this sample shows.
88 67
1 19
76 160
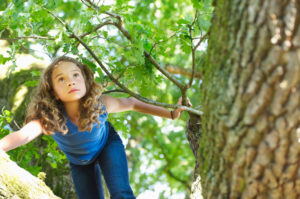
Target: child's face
68 82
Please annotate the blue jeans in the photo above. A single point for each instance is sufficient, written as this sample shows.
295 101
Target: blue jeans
113 163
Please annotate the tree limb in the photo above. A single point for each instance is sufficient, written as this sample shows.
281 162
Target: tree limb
73 35
182 71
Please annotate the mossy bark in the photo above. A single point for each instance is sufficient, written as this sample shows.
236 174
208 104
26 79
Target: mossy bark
250 144
16 182
59 179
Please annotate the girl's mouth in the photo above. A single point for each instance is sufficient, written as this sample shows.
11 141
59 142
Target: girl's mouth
73 90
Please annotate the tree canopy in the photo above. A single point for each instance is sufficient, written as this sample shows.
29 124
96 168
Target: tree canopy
148 49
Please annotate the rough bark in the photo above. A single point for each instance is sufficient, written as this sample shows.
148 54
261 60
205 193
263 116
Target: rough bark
193 134
250 145
16 182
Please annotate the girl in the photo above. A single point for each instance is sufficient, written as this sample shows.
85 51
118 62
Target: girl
69 107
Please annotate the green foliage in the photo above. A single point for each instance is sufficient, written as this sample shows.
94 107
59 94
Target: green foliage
25 155
162 28
3 59
5 119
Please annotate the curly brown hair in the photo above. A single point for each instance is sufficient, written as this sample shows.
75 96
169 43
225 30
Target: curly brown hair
49 110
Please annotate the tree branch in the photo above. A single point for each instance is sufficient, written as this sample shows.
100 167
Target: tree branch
73 35
169 161
27 37
114 91
91 4
108 22
182 71
148 55
194 48
156 43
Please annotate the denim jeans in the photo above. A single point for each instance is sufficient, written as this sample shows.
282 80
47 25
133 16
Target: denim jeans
112 162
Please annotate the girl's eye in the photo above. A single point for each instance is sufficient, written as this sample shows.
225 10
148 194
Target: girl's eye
61 79
76 75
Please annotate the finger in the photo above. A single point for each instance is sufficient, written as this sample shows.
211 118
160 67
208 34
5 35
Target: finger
189 102
181 109
179 101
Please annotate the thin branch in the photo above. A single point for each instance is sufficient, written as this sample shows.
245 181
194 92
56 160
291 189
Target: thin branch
108 22
122 73
98 36
87 4
96 7
182 71
164 71
114 91
169 161
200 41
156 43
195 18
172 175
53 15
27 37
92 4
123 30
194 48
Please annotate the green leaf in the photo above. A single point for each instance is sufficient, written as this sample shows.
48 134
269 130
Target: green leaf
35 73
89 63
147 45
104 8
3 59
66 47
183 21
31 83
74 50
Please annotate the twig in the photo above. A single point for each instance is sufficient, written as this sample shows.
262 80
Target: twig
86 4
114 91
108 22
92 4
162 70
156 43
27 37
194 48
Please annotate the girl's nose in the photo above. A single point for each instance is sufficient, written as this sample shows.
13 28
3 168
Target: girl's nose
71 83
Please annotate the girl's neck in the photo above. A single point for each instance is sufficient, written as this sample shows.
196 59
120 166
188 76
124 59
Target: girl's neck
72 110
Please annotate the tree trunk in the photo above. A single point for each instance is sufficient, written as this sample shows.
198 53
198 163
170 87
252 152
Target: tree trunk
250 144
193 134
16 182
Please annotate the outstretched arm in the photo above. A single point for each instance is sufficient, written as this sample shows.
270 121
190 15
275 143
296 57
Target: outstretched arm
114 105
18 138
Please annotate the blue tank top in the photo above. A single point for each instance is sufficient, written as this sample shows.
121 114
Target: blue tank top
82 147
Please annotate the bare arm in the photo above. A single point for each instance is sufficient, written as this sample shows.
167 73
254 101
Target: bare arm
114 105
18 138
